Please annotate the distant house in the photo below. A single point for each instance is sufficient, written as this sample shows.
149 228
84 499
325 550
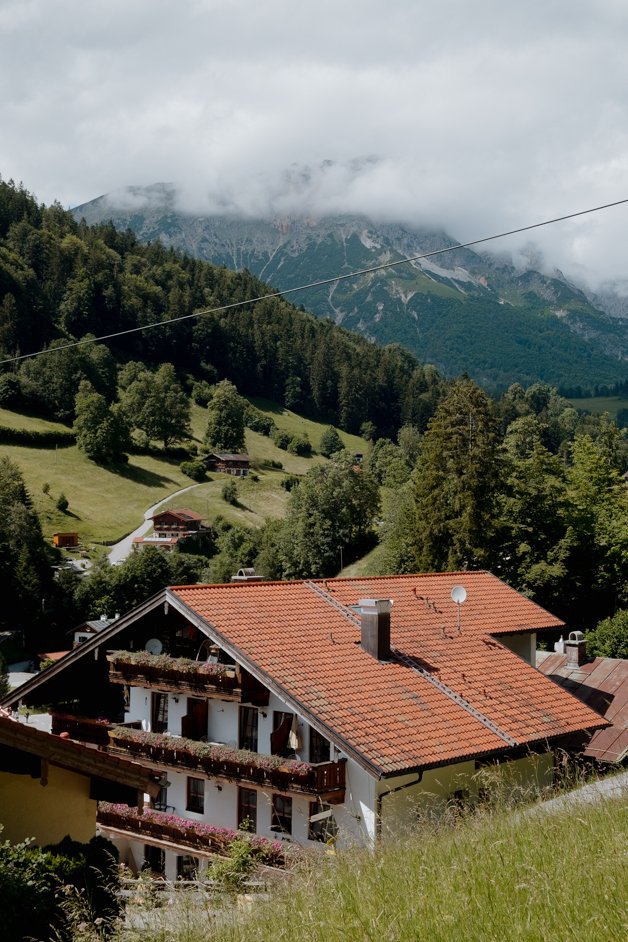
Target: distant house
601 683
176 522
314 710
238 465
172 528
88 628
63 540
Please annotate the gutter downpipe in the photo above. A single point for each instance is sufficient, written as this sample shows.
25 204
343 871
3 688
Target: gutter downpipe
391 791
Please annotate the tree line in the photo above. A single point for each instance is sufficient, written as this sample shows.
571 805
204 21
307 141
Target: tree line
63 281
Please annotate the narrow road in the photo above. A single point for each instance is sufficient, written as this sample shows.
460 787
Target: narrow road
119 551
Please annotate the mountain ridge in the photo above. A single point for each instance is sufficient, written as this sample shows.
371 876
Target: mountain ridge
461 310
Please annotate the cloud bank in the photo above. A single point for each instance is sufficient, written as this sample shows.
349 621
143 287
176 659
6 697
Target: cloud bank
475 118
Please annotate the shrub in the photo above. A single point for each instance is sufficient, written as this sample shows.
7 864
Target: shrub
300 446
62 503
610 637
258 422
34 438
193 469
281 439
230 493
36 884
330 443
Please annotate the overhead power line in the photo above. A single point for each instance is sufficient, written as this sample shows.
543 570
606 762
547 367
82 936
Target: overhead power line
315 284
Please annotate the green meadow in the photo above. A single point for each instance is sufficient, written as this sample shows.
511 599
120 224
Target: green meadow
106 503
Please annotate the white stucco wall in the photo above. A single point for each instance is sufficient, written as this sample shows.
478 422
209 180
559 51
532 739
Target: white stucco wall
524 645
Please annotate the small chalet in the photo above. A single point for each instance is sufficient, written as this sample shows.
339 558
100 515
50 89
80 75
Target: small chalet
314 710
238 465
172 528
176 522
601 683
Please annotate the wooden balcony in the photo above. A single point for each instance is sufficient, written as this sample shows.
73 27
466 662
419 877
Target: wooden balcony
325 780
182 832
174 674
81 728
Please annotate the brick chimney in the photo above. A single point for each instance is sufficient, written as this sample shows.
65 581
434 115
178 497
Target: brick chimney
375 627
575 649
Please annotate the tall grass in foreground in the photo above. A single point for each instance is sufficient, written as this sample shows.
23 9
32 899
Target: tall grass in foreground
494 876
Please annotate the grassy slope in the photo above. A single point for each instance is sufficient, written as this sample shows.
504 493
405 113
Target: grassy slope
500 876
107 504
600 404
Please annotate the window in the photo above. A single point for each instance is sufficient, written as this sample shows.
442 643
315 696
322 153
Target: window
319 747
187 867
160 803
194 722
281 814
324 828
154 859
247 809
159 713
195 795
248 728
279 740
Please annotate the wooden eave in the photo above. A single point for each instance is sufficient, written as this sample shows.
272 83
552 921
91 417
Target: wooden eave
76 757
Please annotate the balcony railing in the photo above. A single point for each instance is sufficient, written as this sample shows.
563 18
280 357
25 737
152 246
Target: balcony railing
82 728
323 779
174 674
193 834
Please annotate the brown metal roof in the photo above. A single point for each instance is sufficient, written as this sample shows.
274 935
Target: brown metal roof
601 683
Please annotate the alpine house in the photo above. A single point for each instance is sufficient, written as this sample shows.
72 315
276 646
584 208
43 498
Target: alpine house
312 711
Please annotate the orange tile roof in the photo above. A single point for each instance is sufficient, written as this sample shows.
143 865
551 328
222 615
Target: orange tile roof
481 697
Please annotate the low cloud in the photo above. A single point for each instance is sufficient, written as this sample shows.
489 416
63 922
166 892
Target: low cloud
473 118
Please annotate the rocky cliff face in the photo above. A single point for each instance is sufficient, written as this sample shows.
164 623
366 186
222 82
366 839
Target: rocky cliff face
458 309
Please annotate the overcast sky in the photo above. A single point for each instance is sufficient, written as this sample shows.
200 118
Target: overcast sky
474 116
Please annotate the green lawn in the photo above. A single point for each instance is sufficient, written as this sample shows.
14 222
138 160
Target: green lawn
107 504
600 404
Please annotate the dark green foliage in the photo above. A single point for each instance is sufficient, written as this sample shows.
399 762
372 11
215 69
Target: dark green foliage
194 469
225 422
330 442
281 439
35 438
290 481
257 421
609 638
25 559
118 588
5 687
62 503
229 493
300 445
331 512
102 431
154 403
60 280
41 888
452 524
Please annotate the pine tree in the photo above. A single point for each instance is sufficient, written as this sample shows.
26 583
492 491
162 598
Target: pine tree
454 487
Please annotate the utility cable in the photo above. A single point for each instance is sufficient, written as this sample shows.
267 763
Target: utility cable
315 284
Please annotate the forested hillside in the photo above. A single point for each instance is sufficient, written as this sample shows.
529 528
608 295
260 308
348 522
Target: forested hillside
61 281
451 479
462 310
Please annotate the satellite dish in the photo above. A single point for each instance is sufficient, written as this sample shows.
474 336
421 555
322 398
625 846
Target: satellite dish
154 646
458 594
